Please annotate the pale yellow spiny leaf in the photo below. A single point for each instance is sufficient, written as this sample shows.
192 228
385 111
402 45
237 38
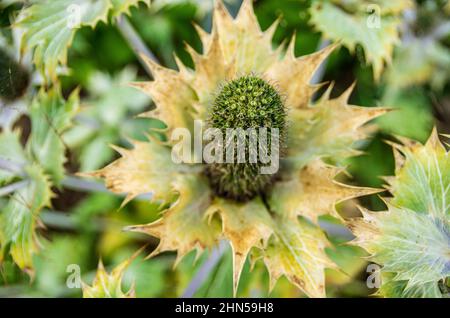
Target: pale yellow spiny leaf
211 71
242 40
365 229
184 226
172 95
245 225
297 251
147 168
330 127
312 192
292 74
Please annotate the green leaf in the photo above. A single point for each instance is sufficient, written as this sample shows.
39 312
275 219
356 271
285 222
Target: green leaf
422 184
112 97
51 115
11 150
412 114
419 62
394 289
358 28
50 25
413 245
20 217
52 265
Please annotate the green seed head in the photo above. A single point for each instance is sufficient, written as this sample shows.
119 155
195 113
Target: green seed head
14 79
247 102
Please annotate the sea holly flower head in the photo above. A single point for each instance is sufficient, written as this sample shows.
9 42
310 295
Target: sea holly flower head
241 82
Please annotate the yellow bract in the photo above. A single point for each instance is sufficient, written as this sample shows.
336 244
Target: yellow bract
107 285
184 225
316 192
147 168
245 225
410 239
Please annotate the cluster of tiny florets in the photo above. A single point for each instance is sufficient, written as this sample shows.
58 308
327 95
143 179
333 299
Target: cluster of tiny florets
247 102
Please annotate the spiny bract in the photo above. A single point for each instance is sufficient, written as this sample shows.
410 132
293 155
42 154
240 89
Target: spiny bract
412 239
280 226
107 285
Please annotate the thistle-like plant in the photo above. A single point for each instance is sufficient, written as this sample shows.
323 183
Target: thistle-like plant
240 81
411 240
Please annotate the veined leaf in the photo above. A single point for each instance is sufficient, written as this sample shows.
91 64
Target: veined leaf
50 25
411 240
422 182
51 115
20 217
394 289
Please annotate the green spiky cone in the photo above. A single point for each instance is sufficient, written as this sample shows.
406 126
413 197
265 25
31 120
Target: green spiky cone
278 226
247 102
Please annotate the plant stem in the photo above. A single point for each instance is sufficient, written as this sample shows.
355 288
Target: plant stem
135 42
318 75
12 167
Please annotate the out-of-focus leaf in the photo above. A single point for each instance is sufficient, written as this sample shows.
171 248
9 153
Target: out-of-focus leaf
377 34
51 115
53 265
123 6
148 277
412 115
6 3
105 118
50 25
97 152
419 62
350 260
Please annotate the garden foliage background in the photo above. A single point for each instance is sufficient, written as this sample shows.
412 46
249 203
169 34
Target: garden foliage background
405 65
